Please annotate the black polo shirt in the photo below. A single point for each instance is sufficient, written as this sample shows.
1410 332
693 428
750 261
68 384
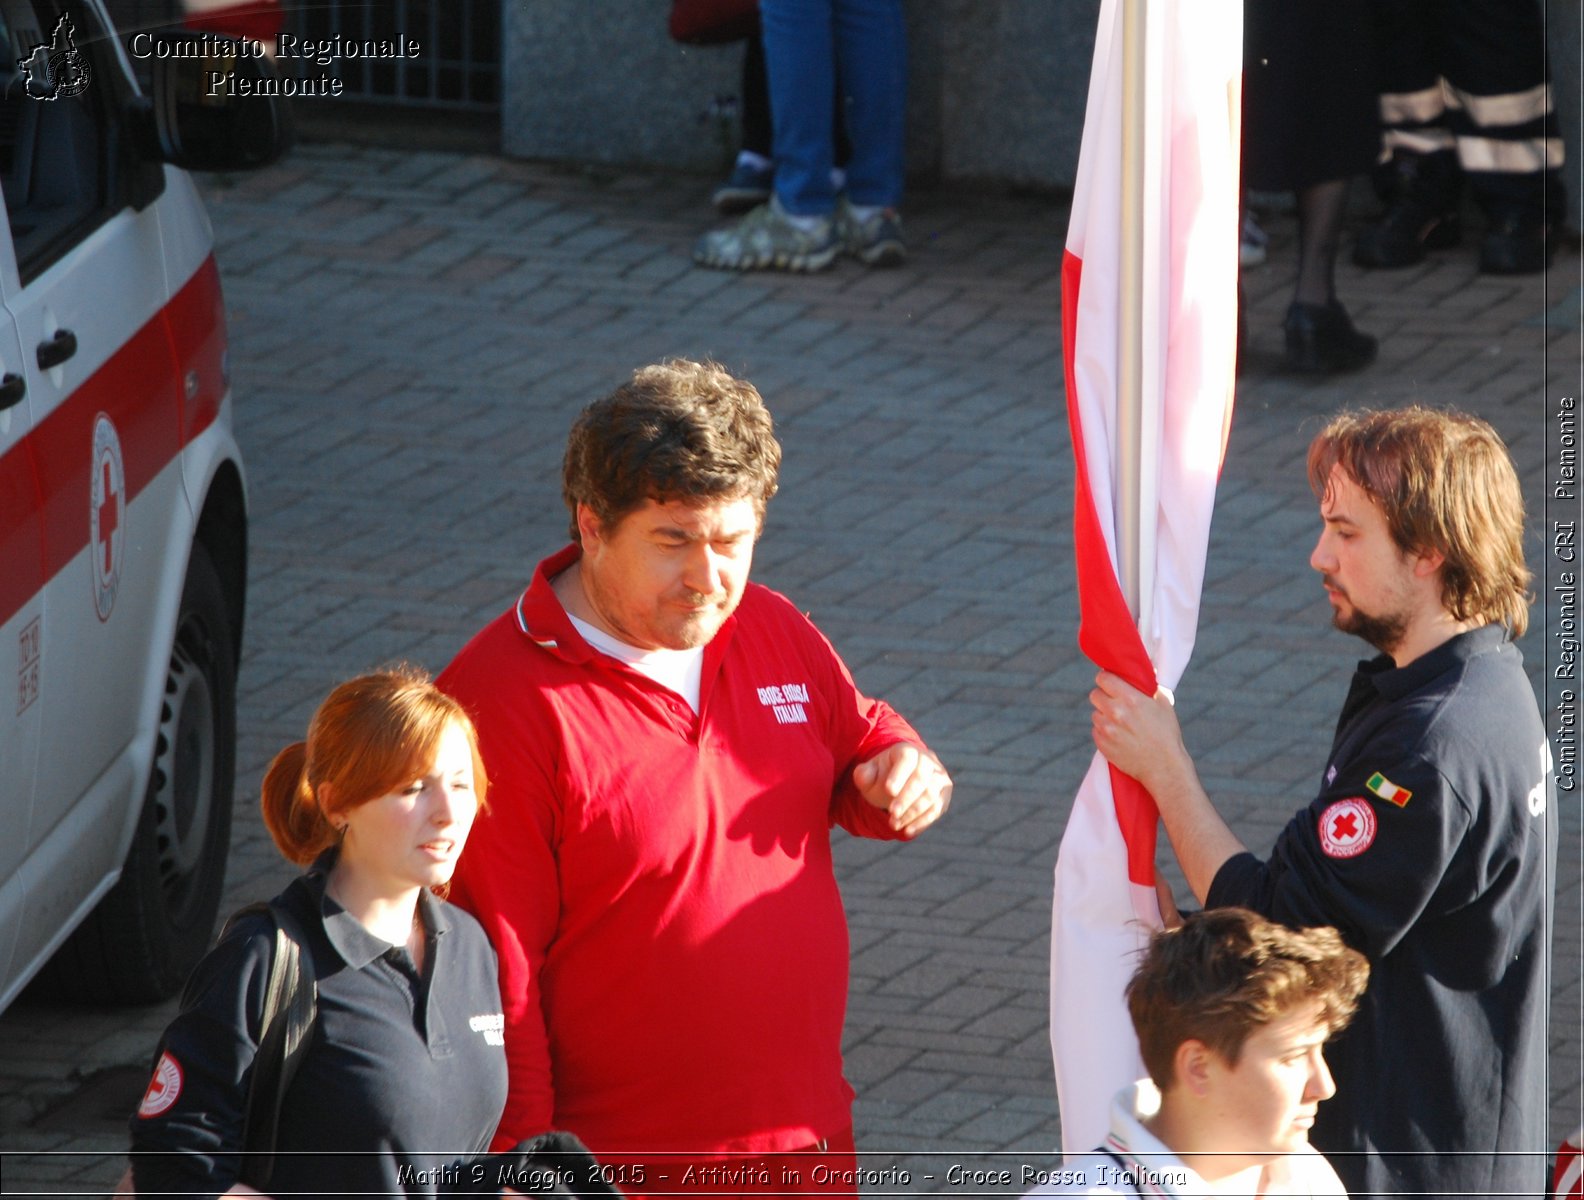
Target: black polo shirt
1431 847
405 1075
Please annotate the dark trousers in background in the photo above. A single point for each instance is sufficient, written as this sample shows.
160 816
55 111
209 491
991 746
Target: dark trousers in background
1466 92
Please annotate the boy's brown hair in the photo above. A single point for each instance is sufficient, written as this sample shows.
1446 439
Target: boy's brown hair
1226 972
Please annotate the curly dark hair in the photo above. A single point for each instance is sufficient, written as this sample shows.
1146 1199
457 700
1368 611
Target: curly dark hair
679 430
1226 972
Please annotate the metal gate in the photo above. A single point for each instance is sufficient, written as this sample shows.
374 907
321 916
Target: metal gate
456 67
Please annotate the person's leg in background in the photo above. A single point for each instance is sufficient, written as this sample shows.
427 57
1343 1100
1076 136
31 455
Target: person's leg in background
871 56
1502 118
1320 337
1467 97
748 186
1418 178
801 228
800 52
1308 127
758 131
751 179
796 231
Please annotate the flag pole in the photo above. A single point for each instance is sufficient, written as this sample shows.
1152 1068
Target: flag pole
1148 279
1130 320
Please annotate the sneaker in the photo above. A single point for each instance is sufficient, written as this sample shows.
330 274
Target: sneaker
1401 237
747 187
768 239
1253 243
875 240
1515 244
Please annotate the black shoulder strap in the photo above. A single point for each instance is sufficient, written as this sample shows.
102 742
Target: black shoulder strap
290 1008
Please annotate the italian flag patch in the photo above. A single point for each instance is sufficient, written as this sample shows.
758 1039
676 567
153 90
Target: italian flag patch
1387 790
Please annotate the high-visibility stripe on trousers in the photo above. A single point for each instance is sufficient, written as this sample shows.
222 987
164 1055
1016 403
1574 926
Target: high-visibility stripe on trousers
1471 77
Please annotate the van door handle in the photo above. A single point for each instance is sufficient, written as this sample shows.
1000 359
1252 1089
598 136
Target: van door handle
57 350
12 390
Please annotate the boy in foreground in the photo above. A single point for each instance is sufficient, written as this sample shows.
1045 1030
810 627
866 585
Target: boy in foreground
1231 1012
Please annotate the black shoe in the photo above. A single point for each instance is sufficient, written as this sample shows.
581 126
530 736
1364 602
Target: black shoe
1321 340
1515 244
1401 237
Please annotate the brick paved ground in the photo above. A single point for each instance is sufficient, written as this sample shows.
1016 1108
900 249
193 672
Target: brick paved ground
412 333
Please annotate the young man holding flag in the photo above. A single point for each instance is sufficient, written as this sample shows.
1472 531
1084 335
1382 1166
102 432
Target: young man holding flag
1428 845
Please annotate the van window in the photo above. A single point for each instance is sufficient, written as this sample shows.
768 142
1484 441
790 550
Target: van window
59 84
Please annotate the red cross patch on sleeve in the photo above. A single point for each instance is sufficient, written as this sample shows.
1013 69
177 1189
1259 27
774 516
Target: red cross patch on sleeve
164 1088
1347 828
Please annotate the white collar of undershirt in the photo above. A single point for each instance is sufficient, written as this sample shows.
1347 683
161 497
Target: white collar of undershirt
678 670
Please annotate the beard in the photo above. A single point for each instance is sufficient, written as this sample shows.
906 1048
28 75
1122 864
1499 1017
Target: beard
1384 631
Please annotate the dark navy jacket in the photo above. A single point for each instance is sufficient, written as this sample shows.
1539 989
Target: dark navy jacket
404 1077
1431 847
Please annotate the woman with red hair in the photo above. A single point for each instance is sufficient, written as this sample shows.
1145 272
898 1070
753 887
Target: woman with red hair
404 1076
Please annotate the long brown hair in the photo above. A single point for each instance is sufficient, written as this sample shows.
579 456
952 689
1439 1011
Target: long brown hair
1445 484
371 735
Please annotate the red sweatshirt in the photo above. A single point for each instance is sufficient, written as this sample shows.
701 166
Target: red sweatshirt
658 883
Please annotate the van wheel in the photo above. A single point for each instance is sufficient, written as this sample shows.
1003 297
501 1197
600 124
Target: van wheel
149 931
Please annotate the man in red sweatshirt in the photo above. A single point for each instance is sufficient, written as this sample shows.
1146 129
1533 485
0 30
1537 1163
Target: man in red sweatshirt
668 746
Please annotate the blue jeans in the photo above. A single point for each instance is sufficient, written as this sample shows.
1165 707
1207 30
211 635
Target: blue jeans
804 42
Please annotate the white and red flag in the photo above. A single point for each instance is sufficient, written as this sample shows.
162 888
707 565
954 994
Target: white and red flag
1155 245
1568 1181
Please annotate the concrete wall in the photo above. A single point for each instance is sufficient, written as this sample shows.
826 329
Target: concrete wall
997 87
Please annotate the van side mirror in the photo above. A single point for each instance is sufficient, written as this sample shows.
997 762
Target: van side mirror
216 103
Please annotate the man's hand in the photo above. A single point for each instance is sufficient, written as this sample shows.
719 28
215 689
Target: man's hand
1138 734
908 782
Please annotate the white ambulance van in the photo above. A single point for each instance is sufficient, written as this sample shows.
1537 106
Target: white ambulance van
123 527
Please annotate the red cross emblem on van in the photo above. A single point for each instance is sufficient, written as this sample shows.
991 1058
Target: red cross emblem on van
106 514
